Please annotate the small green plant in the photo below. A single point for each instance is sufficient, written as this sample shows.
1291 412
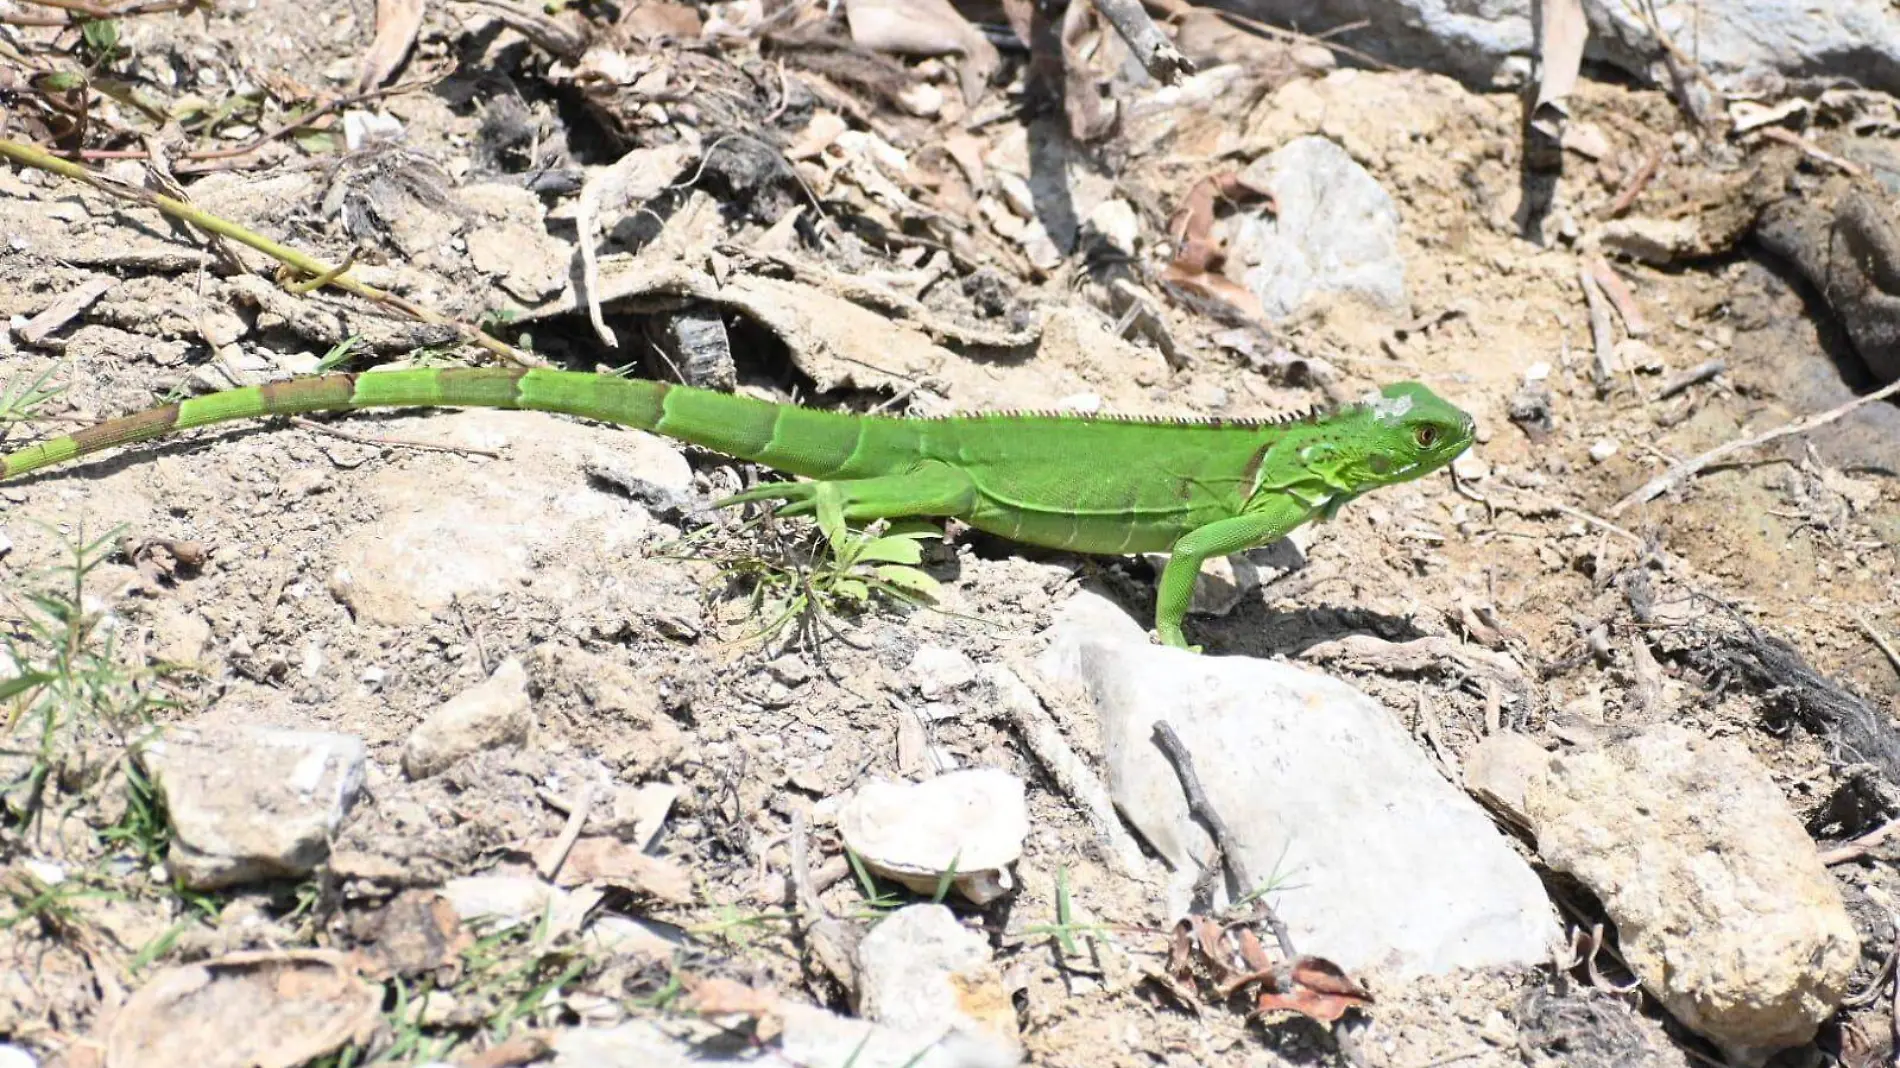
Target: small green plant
1065 929
22 401
144 828
876 898
507 976
26 897
842 574
101 39
340 354
69 684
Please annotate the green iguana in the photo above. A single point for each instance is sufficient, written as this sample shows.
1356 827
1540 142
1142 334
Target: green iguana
1094 484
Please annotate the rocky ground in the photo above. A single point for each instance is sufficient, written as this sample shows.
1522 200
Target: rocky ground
477 738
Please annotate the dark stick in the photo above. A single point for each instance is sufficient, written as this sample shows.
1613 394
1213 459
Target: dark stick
1682 380
1201 809
1157 54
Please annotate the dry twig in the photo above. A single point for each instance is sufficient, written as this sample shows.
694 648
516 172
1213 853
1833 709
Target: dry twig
1151 47
402 443
1696 375
1689 468
309 266
1638 182
1880 640
1602 367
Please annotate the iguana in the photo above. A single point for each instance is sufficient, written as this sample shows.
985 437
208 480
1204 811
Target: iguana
1094 484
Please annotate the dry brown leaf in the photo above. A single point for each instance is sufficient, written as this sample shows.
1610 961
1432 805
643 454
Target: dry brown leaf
262 1009
418 932
1181 950
601 859
652 20
521 1049
1320 990
720 997
1560 57
397 24
1198 254
1216 287
925 28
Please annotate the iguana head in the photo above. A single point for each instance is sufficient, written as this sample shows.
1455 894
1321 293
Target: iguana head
1405 430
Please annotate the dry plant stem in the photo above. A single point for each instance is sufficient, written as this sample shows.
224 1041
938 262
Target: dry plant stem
1860 847
308 265
1071 773
1201 809
1151 47
556 855
1789 137
1689 468
1696 375
1880 640
395 443
1603 344
1637 183
206 157
1620 296
1177 753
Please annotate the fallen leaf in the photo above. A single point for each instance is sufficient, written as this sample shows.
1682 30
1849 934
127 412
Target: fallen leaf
245 1010
1320 990
418 932
521 1049
397 24
1560 57
1198 254
719 997
601 859
925 28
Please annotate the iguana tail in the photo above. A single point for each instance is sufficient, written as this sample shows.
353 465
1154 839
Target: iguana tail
801 441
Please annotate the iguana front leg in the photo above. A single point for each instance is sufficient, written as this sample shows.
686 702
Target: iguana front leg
932 488
1269 522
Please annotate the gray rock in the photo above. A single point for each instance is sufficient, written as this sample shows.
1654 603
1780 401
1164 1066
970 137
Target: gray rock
250 803
924 974
935 670
1736 41
634 1044
648 469
499 900
810 1038
970 822
450 530
1722 906
1334 230
491 714
814 1038
1388 865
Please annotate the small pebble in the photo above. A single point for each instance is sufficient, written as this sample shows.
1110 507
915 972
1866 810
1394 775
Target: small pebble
1603 449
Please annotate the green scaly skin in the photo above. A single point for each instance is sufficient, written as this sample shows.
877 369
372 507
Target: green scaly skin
1194 488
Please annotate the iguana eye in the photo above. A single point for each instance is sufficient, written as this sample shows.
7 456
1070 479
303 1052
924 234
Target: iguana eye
1426 435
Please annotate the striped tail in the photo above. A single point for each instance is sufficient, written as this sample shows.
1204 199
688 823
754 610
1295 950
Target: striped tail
801 441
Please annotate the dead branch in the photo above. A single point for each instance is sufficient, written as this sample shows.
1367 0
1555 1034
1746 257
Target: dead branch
1696 375
1688 469
1151 47
1603 344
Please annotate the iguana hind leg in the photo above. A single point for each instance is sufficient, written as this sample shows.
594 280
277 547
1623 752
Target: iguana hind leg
930 489
1216 539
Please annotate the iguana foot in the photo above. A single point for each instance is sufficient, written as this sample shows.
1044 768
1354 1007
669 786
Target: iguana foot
1174 639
